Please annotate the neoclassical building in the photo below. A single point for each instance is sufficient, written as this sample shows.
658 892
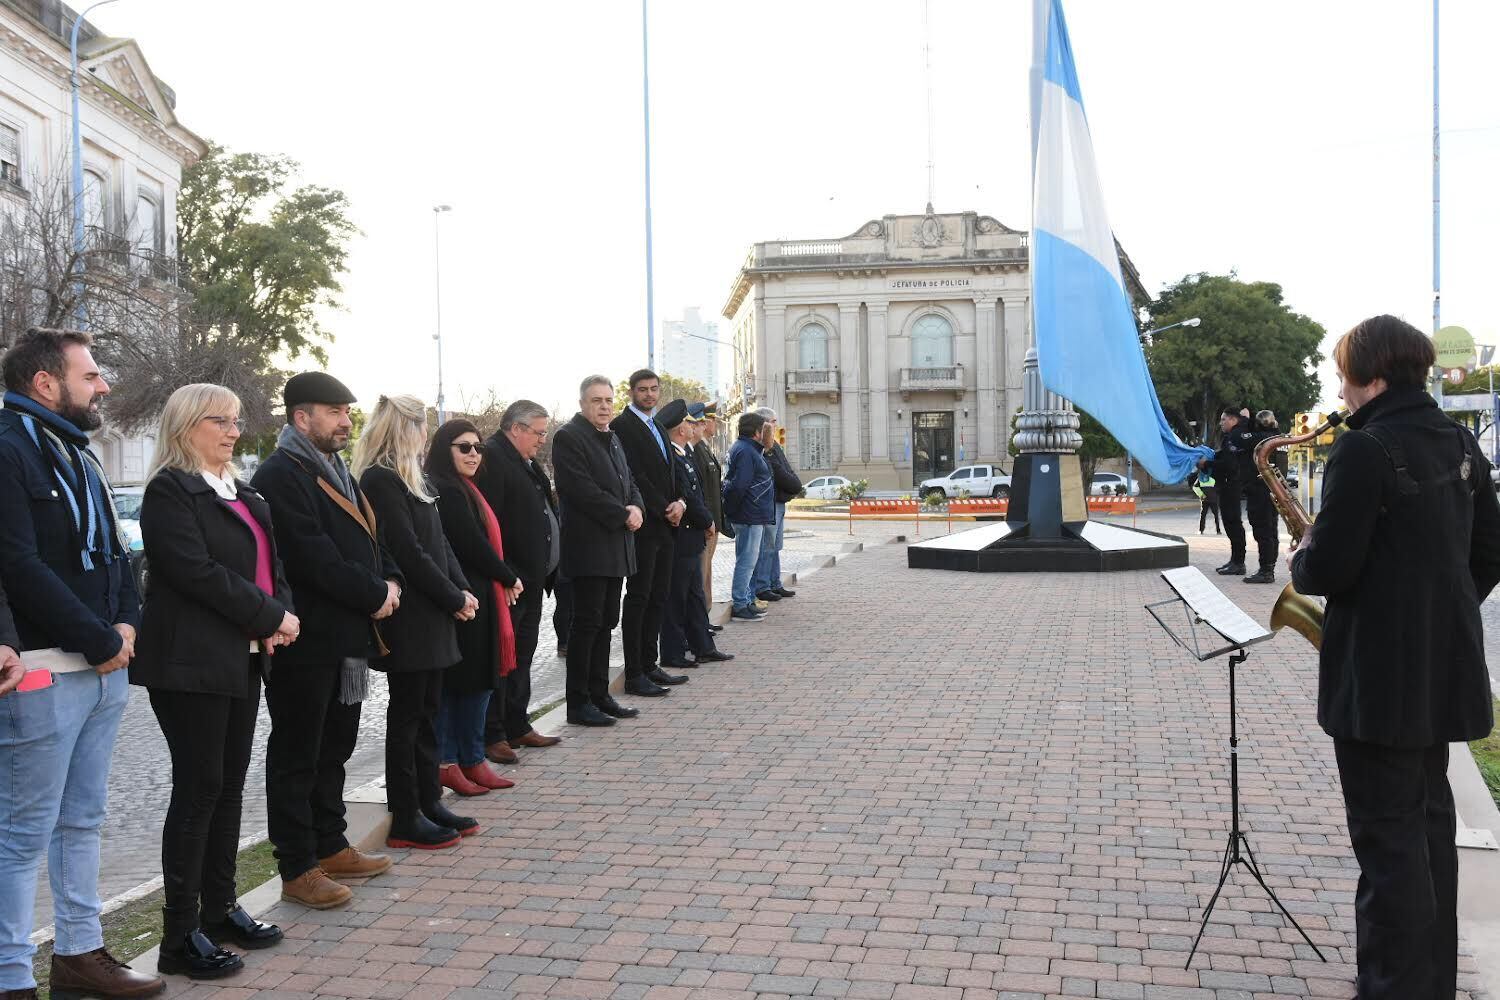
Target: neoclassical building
893 354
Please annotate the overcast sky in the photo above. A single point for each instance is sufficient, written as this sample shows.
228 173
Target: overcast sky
1289 140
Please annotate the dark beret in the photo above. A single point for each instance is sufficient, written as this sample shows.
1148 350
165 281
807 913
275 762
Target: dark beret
315 387
672 414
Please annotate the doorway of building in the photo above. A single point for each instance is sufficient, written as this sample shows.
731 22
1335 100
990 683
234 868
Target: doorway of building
931 445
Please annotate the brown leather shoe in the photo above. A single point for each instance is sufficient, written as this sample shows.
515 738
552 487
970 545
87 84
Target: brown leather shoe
349 863
501 753
97 973
536 739
316 891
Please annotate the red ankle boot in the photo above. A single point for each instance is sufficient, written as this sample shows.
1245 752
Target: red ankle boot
481 774
452 776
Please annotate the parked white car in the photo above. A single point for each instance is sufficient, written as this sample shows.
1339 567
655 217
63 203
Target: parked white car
1106 484
976 480
825 487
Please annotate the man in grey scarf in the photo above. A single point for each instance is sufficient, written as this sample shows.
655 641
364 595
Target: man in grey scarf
343 584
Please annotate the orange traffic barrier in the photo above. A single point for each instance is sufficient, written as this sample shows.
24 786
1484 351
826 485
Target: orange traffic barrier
1112 505
857 507
979 505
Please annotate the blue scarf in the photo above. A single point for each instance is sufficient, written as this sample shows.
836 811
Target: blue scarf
80 480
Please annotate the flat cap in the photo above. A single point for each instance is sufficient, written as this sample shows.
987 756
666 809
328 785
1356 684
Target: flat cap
315 387
672 414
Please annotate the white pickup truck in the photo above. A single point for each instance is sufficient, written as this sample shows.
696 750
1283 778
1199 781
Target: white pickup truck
976 480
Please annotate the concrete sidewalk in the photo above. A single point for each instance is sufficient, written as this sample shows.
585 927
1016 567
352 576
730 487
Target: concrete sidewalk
910 785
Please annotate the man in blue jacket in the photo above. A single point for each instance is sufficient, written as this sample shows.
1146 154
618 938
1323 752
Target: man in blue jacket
66 570
749 505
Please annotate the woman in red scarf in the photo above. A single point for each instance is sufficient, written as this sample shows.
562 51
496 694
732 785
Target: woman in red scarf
488 643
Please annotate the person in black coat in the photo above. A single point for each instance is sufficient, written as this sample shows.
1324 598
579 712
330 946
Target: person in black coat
655 476
520 494
1234 470
344 585
601 514
218 608
487 643
1405 548
711 479
684 629
420 638
767 583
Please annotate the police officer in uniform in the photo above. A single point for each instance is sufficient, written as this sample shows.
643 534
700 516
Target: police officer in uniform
1259 508
1233 469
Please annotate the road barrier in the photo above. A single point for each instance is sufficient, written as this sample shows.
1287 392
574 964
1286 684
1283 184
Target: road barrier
1112 505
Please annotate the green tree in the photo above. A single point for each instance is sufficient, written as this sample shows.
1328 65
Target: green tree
672 388
1251 349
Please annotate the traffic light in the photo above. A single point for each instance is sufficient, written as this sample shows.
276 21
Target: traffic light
781 435
1305 423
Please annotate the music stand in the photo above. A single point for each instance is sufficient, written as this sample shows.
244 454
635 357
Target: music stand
1233 632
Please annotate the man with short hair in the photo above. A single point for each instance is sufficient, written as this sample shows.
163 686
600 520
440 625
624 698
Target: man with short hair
655 477
1259 508
601 514
749 506
1233 469
73 599
711 478
767 584
343 584
684 629
520 494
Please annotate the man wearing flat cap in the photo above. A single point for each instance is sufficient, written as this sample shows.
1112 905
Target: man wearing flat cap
343 584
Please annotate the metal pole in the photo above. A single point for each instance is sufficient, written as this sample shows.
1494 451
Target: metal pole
646 117
1437 174
437 286
78 246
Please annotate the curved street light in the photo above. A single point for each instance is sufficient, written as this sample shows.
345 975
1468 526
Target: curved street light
437 284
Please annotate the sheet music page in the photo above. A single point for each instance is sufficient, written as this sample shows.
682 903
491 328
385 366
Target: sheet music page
1216 610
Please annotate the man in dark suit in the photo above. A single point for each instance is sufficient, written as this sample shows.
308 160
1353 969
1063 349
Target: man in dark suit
601 508
655 476
520 494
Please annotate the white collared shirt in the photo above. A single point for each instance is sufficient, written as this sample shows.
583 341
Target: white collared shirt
223 487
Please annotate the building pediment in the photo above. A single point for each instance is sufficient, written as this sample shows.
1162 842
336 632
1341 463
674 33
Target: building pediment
119 64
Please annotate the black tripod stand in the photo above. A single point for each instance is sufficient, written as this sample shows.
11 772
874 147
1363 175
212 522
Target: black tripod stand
1233 855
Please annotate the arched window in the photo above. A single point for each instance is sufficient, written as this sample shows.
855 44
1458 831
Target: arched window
148 228
931 342
815 436
812 346
94 200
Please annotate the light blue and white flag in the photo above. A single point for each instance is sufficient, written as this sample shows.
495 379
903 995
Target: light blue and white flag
1086 339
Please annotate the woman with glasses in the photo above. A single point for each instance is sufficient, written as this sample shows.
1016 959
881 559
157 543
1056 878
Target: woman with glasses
488 643
421 635
218 609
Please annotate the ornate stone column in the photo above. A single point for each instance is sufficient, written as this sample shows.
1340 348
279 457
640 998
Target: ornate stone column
848 365
773 379
989 378
880 380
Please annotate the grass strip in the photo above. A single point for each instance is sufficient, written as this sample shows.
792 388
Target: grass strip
1487 755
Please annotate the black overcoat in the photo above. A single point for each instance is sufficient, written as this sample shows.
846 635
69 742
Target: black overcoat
422 634
203 605
711 478
655 475
478 667
691 538
333 560
595 486
1404 563
520 495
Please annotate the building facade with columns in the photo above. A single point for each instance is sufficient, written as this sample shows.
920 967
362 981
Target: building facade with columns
893 354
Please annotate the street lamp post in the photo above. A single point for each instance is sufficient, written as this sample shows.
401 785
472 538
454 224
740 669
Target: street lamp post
437 285
78 144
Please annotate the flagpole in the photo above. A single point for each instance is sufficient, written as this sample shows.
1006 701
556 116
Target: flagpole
646 119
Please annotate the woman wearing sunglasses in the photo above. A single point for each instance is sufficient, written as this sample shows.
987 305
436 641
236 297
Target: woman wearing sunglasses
488 643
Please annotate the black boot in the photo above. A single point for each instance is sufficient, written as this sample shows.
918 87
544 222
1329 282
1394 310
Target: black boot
439 814
196 957
419 832
1231 569
1266 575
235 926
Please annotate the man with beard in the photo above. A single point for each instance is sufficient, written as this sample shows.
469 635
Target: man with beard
343 582
67 571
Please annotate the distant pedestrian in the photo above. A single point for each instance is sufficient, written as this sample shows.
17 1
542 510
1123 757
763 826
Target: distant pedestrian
73 600
420 637
749 506
218 610
1207 492
344 584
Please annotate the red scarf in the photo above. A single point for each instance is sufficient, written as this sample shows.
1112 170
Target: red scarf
507 632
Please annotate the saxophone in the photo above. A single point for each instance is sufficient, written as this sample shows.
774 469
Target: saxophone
1302 613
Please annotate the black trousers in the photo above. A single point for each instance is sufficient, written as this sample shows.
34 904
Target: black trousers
645 601
506 718
1402 823
209 738
1230 501
1209 505
312 738
1263 519
684 624
596 611
562 610
411 750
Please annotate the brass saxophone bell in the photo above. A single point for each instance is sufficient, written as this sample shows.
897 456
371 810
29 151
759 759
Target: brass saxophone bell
1299 612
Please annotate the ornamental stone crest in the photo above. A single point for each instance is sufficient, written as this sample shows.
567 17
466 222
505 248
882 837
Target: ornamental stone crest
930 231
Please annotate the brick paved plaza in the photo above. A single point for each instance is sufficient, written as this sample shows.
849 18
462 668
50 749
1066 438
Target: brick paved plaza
911 785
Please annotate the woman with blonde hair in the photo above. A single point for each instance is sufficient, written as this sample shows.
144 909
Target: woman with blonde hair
421 636
217 610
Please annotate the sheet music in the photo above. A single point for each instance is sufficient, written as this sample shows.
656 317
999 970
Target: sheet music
1212 607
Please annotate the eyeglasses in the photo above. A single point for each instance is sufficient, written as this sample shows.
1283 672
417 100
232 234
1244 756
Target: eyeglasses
225 423
469 447
540 435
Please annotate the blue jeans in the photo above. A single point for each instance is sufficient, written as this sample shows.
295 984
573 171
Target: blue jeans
55 747
460 727
768 565
747 543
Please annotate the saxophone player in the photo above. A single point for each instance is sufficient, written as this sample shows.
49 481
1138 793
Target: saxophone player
1405 548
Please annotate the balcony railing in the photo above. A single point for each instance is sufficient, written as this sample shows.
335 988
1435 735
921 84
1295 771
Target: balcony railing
812 380
936 378
105 247
155 264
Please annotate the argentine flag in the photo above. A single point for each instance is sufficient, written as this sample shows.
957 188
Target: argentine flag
1086 339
